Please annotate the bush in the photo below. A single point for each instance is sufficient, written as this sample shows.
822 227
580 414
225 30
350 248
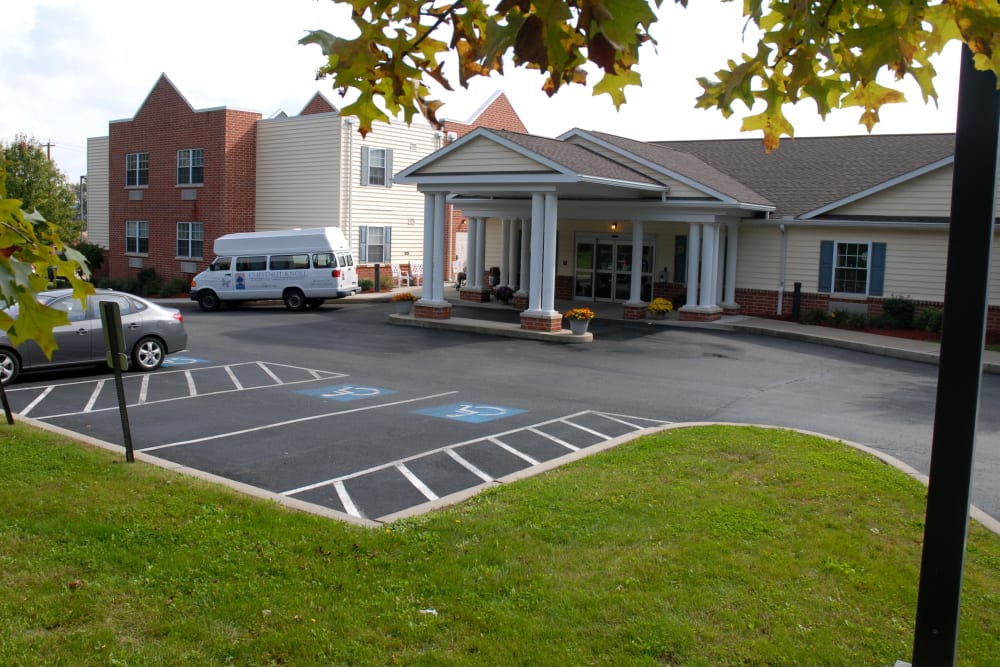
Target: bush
117 284
176 286
148 282
929 319
386 283
93 252
366 285
855 321
815 316
897 313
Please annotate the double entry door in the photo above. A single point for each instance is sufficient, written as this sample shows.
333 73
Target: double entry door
604 267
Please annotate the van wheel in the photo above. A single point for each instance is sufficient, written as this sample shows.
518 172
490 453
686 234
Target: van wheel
295 299
314 303
208 300
10 366
148 354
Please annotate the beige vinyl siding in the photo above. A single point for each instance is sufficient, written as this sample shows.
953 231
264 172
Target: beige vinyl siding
399 206
298 172
483 156
678 190
758 260
98 184
924 196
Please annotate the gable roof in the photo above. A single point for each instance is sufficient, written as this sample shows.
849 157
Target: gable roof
679 165
807 176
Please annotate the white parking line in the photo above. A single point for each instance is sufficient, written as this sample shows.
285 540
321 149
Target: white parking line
468 466
555 439
345 499
98 388
300 420
415 481
588 430
267 370
503 445
236 382
38 399
144 389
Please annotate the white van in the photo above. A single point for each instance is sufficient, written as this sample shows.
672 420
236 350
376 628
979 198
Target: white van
302 267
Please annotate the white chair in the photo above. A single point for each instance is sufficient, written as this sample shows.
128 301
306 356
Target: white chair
417 273
400 277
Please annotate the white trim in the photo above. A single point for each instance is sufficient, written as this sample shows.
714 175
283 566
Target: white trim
933 166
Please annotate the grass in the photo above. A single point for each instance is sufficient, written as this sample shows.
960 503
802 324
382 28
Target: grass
701 546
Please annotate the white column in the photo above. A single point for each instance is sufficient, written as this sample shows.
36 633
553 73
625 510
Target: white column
480 251
428 246
732 247
537 232
437 281
635 293
706 296
549 248
720 254
525 263
513 254
693 255
470 250
504 250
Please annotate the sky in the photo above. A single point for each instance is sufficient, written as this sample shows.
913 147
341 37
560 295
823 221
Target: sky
68 67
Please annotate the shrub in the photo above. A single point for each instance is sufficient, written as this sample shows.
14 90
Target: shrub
929 319
897 313
366 285
117 284
815 316
386 282
176 286
854 321
148 282
93 252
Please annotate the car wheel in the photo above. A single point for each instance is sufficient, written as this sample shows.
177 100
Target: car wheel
148 354
10 366
295 299
314 303
208 300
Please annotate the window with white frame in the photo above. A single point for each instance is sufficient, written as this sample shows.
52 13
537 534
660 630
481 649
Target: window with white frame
190 166
137 236
376 166
190 239
850 272
375 244
852 267
136 169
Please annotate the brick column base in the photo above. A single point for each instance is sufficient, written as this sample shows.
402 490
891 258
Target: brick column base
432 311
520 301
475 294
634 312
730 309
700 314
546 323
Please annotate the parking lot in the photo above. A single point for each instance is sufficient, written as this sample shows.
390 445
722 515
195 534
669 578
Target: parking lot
337 411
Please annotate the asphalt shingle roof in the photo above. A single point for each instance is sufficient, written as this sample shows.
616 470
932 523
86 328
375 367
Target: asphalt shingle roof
805 173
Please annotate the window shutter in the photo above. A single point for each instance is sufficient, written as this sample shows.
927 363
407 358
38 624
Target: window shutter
364 171
387 253
388 167
876 276
825 266
363 240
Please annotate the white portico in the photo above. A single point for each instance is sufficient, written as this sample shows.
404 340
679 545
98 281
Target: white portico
581 217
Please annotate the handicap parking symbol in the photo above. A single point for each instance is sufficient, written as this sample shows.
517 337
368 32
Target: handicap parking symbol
472 413
346 392
183 361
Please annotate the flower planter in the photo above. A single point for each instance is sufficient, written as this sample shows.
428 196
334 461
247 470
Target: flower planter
578 327
653 315
403 307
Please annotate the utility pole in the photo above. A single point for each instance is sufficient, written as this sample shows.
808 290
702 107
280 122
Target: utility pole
48 150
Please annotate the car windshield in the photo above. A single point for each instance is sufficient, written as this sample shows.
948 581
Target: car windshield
43 298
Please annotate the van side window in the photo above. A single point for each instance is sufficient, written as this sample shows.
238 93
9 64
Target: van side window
324 260
256 263
285 262
345 259
221 264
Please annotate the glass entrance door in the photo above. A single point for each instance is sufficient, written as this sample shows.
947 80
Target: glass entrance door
604 269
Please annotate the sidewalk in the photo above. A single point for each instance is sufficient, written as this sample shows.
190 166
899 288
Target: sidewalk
888 346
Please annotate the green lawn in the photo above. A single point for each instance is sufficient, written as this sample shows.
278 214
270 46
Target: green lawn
699 546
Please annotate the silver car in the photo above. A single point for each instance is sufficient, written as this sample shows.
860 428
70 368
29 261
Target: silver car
151 332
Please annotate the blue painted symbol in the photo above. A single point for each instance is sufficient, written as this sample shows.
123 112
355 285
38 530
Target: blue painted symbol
346 392
471 413
183 361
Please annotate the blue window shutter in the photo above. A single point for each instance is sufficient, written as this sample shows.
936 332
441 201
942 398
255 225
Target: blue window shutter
388 167
387 255
364 166
876 276
363 240
825 266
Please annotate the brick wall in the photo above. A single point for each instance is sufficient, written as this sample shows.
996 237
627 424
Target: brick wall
224 203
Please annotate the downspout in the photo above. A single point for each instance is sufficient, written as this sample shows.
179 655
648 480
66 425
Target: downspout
348 182
782 267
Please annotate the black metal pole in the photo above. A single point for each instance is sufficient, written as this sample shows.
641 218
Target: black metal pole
970 241
6 406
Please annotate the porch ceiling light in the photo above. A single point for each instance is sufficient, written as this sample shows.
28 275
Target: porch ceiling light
614 226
